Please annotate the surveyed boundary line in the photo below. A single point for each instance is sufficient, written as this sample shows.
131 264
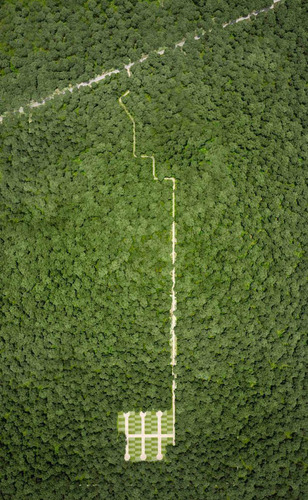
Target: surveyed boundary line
159 434
127 67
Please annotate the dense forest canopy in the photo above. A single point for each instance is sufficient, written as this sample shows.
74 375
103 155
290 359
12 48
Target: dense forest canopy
85 243
48 44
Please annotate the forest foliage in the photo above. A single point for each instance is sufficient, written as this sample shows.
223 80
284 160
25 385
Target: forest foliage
85 244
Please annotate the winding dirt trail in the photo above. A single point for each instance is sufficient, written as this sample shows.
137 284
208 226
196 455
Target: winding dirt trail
127 67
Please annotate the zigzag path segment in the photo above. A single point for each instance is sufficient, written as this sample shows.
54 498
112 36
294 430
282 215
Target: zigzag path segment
124 417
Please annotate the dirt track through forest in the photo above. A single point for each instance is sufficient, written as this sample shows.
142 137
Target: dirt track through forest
127 67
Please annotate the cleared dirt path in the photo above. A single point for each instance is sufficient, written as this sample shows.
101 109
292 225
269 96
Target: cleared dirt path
127 68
